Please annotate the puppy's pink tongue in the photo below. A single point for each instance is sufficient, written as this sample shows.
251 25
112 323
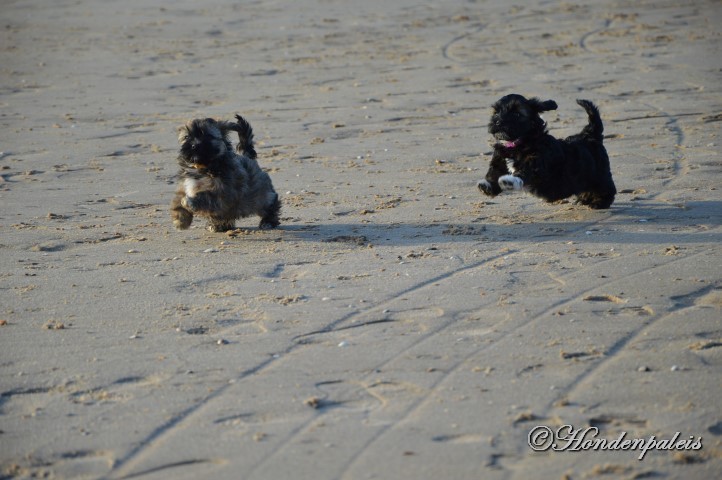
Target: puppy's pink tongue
511 144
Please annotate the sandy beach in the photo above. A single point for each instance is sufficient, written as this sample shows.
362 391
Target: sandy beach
398 324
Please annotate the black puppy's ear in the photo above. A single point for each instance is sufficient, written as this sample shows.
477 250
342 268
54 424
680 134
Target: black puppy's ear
545 106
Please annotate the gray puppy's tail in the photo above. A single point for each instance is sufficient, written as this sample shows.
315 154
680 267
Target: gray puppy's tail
245 137
595 128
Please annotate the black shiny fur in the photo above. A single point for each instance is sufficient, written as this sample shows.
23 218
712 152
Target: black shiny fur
527 157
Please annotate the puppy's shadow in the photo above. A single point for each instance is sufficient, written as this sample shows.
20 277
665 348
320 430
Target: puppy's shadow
631 223
682 212
377 234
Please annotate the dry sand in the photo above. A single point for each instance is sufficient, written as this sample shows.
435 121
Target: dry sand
399 324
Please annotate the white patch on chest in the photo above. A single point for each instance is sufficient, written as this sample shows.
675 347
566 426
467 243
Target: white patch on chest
191 187
510 166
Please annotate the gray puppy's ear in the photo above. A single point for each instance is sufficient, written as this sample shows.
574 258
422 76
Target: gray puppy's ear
183 133
544 106
226 128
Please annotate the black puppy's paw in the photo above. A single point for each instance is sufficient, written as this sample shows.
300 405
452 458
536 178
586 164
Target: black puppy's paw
268 225
510 182
485 187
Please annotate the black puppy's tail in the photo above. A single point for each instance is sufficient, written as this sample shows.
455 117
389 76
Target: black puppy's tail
245 137
594 128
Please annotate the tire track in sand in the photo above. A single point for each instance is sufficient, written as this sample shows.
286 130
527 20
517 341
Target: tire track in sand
509 327
123 466
514 330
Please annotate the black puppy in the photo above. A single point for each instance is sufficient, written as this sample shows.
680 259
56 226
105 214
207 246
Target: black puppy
527 157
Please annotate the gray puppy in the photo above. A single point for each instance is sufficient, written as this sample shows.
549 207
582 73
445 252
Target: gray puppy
217 183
